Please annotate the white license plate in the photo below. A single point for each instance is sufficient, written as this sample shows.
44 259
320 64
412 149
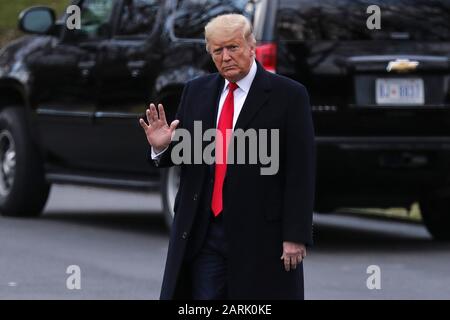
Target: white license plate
400 91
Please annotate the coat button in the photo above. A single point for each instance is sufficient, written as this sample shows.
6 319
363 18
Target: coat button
184 236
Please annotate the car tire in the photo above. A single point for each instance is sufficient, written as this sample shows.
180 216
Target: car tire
435 212
23 189
170 184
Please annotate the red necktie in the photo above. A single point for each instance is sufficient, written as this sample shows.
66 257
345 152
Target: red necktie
225 122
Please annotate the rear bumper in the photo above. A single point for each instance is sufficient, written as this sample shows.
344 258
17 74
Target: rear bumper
380 170
383 143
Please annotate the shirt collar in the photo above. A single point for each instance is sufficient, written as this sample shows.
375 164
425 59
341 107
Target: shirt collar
246 82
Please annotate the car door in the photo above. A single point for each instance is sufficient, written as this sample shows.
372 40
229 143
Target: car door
128 67
66 85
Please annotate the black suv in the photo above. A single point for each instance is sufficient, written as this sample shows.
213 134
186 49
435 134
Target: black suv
70 99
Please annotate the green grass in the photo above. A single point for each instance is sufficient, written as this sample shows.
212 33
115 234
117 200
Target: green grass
9 13
412 213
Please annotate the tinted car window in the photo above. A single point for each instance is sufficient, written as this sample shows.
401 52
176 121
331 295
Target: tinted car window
193 15
95 16
138 17
423 20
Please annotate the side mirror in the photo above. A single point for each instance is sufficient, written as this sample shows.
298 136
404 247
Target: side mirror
39 20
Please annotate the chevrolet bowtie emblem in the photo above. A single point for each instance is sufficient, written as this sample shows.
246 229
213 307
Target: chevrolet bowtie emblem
402 65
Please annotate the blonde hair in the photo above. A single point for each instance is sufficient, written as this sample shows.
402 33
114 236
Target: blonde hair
228 24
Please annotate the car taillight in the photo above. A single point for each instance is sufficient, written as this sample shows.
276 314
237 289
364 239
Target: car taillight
266 54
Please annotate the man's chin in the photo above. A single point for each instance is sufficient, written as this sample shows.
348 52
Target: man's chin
231 75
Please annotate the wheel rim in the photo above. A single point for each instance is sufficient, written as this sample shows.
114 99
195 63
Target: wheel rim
173 183
7 162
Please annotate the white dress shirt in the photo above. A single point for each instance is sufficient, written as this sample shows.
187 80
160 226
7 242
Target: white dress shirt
240 94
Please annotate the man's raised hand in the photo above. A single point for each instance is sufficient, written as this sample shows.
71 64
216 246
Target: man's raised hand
158 132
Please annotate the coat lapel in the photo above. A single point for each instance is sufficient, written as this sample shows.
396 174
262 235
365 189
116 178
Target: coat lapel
257 96
210 101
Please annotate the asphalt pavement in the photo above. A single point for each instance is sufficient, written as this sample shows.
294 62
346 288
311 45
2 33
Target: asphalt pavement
112 245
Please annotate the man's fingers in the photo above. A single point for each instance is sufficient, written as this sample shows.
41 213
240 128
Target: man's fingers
294 262
287 263
162 114
153 113
148 114
143 124
291 262
293 255
174 125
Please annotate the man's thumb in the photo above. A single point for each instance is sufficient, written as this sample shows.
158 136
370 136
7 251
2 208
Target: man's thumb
174 125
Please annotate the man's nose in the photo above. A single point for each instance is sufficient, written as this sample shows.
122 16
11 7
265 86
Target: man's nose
226 56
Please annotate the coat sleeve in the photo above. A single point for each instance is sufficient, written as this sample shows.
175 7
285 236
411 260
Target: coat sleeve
166 160
299 188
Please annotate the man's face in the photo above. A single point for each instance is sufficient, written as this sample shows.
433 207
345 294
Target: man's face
232 55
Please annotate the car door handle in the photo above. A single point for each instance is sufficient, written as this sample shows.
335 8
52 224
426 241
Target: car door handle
136 67
86 67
